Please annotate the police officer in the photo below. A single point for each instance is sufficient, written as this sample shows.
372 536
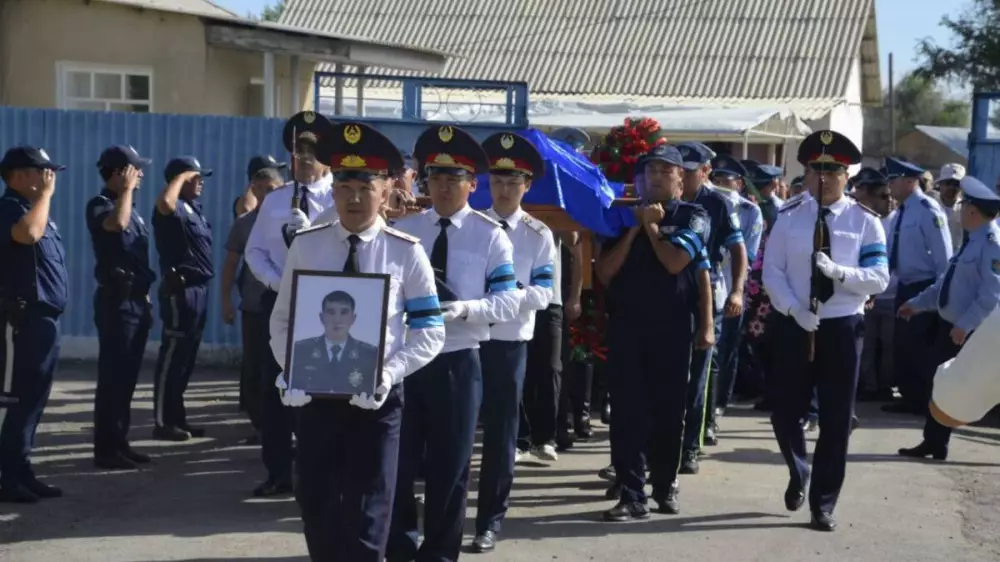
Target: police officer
919 250
727 174
819 305
184 247
514 163
724 234
284 211
122 307
33 294
347 451
473 265
650 339
963 297
765 179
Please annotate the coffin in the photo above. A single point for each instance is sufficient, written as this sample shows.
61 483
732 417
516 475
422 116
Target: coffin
967 387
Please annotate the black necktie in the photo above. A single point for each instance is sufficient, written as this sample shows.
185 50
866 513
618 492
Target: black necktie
504 225
943 295
351 265
823 284
335 354
439 253
304 201
894 253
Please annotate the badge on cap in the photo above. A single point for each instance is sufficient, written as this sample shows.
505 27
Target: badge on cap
308 117
43 154
826 137
352 134
507 142
446 133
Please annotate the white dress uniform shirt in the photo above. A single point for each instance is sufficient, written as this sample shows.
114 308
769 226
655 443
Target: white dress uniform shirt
557 272
266 250
412 291
480 270
534 265
857 244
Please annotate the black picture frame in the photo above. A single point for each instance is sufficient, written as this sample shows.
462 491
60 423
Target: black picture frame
307 364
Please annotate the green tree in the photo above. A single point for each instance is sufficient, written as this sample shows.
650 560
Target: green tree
974 58
272 12
919 101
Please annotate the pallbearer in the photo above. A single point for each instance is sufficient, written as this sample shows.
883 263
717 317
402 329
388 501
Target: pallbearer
474 264
851 266
347 451
514 164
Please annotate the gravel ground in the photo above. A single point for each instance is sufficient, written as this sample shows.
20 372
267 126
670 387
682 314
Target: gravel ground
192 504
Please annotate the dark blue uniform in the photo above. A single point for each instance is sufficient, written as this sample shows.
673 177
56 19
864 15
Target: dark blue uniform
33 295
649 341
184 247
123 317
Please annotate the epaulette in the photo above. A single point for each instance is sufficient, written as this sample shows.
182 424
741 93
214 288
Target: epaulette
400 234
311 229
486 218
788 206
534 224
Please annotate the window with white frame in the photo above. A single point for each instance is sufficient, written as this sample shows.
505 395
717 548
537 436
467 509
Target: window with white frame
105 88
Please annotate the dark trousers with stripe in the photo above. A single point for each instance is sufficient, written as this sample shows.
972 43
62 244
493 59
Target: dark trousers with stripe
542 380
833 374
277 422
935 434
913 348
122 332
347 467
697 392
442 401
184 317
29 355
503 365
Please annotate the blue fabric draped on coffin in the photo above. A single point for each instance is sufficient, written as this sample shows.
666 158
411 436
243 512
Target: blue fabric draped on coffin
571 182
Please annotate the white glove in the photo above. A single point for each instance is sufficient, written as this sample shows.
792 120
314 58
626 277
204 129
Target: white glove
828 267
375 402
294 397
804 318
296 220
453 310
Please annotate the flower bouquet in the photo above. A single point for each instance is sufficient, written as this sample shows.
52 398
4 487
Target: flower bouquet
586 333
621 148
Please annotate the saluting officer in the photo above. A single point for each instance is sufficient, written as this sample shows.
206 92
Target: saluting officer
123 312
963 297
33 294
650 339
348 451
919 250
284 211
473 266
514 163
184 247
723 234
819 299
727 174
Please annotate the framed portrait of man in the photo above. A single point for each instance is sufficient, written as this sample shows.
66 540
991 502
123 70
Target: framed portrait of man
336 333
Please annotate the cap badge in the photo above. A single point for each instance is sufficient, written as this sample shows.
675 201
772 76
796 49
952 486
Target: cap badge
352 134
446 133
507 142
309 117
504 163
826 137
43 154
195 163
353 161
444 159
270 159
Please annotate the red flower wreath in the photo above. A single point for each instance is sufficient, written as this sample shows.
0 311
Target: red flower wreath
586 333
622 146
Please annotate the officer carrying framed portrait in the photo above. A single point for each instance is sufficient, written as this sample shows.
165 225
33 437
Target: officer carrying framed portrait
336 333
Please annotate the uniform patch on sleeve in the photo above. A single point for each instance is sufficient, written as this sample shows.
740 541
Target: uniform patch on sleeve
698 225
757 227
938 221
995 264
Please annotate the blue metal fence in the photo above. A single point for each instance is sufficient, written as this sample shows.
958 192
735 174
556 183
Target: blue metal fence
984 140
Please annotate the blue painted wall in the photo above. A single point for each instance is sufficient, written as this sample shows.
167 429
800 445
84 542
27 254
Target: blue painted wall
224 144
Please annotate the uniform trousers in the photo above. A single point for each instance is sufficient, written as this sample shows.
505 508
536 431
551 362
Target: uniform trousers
834 375
184 317
877 369
727 360
122 332
503 364
935 434
347 465
697 392
442 400
277 422
542 380
650 375
30 353
913 348
256 330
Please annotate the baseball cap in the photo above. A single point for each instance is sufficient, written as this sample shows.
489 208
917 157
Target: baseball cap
22 157
263 162
695 154
663 153
120 156
178 166
953 172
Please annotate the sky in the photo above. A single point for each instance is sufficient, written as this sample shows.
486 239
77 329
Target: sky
901 24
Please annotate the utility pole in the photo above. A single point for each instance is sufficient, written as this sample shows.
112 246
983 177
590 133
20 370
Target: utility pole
892 105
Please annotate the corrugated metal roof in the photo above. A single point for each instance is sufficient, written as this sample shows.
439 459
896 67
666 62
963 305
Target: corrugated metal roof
193 7
756 49
956 139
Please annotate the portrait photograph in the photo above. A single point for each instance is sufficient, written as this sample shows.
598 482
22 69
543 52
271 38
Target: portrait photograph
336 336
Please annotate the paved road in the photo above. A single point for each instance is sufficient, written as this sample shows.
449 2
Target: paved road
193 506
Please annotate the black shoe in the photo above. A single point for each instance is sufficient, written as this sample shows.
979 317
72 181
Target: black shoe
115 461
607 473
614 492
606 413
627 511
170 433
135 456
667 503
272 488
16 493
563 442
762 406
924 450
809 425
41 489
196 432
484 542
795 495
689 463
710 437
584 431
822 521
